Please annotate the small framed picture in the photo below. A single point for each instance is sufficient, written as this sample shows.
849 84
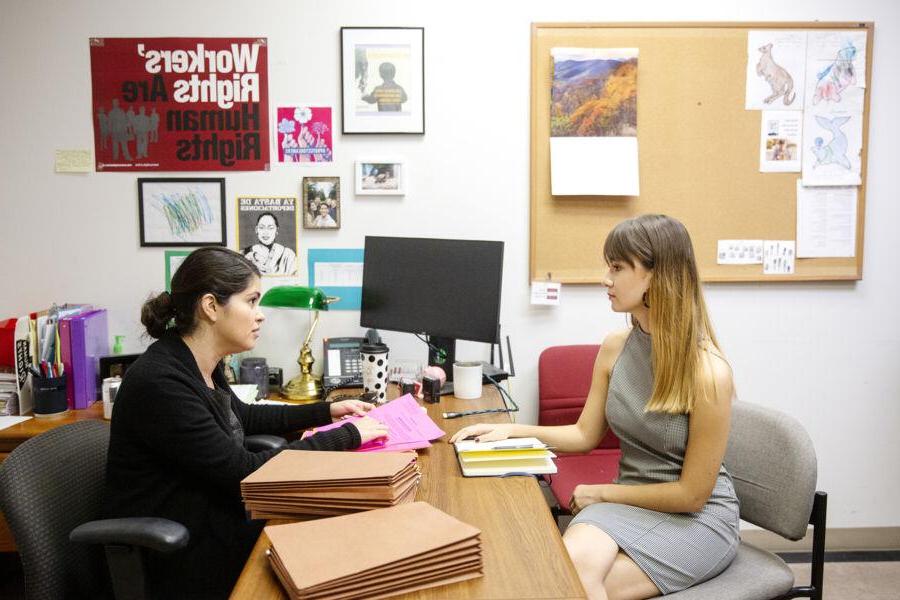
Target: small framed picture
182 211
267 233
380 177
174 258
383 79
321 202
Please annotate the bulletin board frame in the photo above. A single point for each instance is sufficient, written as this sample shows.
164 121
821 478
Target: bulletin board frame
698 148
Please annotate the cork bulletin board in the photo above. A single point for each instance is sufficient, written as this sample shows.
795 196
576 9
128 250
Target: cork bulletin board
698 153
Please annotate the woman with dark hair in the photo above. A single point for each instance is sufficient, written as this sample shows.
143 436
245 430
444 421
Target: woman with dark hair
176 442
670 520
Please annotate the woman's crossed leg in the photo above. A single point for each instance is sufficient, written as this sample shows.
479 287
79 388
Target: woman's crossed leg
604 570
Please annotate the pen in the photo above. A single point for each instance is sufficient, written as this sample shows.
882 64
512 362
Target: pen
456 415
520 447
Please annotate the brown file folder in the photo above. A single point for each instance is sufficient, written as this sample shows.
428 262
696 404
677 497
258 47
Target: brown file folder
380 553
297 484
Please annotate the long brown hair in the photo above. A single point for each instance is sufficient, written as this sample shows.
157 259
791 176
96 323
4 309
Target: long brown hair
682 331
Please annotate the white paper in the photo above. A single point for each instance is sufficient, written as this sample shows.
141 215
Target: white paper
775 70
826 222
778 257
339 274
739 252
594 166
780 141
546 292
10 421
833 148
836 69
245 391
512 444
833 119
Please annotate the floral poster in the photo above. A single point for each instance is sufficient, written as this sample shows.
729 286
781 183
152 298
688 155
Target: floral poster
304 134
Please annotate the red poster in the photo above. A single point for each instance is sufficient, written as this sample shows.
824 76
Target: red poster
180 104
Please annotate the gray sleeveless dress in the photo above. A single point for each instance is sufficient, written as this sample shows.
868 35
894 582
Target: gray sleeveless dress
676 550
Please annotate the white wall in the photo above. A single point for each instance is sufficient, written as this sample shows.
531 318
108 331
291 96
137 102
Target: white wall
826 353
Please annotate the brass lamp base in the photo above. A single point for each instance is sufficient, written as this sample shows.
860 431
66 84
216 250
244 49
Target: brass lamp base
305 388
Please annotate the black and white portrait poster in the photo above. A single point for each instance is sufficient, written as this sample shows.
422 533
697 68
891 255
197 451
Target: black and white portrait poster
267 233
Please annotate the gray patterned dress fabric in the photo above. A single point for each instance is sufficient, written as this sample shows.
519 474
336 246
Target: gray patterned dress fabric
676 550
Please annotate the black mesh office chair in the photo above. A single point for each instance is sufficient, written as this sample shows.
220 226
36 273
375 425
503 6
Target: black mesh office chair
52 486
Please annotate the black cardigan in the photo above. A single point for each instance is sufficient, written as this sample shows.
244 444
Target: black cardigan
172 455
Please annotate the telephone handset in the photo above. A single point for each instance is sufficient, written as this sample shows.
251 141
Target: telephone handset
342 365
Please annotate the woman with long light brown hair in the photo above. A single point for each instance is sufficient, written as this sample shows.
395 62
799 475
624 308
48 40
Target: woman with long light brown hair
670 520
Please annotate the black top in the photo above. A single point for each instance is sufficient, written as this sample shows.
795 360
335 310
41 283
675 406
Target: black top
172 454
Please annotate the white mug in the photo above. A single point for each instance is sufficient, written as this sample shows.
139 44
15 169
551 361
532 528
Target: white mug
467 380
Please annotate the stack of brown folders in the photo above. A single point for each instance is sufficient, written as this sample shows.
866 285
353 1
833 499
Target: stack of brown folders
375 554
297 484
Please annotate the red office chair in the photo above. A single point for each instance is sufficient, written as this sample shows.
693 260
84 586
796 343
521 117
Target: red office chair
564 379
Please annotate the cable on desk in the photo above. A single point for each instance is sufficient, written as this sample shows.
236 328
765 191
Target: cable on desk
504 395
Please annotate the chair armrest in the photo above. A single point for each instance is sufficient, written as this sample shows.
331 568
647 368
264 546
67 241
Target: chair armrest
161 535
262 441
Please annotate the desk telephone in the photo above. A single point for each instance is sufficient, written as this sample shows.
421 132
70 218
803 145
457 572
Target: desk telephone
342 365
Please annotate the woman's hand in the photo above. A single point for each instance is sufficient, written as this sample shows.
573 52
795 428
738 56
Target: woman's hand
483 433
584 495
370 429
349 408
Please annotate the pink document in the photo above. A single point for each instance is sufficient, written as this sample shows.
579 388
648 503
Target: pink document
410 427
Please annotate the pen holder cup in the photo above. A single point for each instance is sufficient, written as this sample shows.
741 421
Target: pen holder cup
49 395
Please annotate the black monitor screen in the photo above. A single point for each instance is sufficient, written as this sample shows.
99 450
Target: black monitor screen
447 288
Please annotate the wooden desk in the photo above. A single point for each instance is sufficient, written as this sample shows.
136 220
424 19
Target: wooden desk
524 556
22 432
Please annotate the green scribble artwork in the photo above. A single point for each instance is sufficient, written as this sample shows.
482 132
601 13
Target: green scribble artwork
185 212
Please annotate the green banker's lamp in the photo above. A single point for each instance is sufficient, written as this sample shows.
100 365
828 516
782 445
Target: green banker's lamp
305 387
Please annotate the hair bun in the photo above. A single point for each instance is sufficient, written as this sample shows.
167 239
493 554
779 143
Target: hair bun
156 314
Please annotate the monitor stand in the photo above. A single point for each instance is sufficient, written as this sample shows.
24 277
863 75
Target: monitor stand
448 345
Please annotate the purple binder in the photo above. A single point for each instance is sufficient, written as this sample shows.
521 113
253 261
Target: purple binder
88 334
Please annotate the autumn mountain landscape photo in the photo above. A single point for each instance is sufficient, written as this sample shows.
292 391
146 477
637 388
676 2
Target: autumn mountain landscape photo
594 97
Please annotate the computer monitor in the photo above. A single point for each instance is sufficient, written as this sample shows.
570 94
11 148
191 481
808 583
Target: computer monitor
444 289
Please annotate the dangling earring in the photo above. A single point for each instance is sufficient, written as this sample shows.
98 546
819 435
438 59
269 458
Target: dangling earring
644 299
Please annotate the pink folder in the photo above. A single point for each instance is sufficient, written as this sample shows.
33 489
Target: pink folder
410 427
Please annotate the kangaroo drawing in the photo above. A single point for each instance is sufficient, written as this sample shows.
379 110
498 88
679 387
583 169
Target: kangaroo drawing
836 149
776 76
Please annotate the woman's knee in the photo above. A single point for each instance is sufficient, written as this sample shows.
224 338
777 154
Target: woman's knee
591 549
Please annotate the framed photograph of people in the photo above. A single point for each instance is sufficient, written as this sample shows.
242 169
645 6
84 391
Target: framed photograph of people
267 233
383 79
181 211
380 177
321 202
